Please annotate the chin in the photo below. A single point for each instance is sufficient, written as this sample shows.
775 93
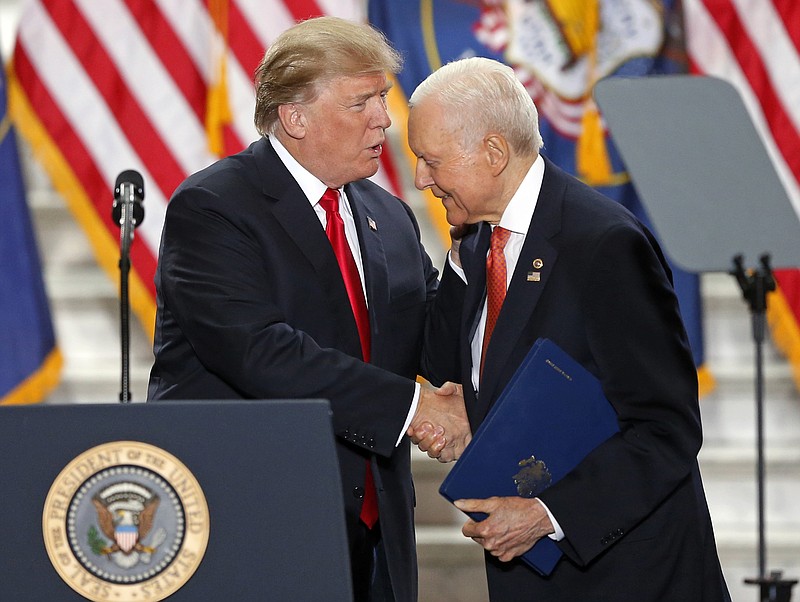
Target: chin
455 219
369 175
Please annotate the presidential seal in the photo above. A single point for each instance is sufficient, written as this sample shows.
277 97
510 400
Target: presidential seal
125 521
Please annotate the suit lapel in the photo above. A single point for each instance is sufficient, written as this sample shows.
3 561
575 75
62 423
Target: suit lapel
373 258
294 213
473 254
523 294
474 248
292 210
534 267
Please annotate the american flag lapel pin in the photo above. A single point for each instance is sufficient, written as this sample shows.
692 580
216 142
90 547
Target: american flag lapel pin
536 276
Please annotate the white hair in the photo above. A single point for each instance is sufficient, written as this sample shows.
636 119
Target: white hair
482 95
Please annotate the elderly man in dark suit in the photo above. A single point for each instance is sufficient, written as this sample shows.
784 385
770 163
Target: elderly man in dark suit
579 269
284 273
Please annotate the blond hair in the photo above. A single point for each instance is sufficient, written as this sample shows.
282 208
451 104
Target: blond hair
312 53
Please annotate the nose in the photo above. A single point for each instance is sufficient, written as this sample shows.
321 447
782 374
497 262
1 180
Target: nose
422 175
381 117
386 119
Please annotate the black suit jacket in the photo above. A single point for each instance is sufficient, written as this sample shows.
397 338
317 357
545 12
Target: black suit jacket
634 512
251 304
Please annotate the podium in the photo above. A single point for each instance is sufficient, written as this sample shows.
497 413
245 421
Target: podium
190 500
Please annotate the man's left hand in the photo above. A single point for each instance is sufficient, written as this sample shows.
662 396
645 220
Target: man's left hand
514 524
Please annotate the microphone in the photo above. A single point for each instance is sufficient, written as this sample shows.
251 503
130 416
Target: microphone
129 189
127 213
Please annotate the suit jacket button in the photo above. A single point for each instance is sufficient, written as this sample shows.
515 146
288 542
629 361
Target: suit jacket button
371 442
358 493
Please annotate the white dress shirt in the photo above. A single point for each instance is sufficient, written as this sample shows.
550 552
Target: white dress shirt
517 219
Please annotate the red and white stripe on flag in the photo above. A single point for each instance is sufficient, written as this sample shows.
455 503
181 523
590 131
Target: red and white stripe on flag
126 537
755 45
100 87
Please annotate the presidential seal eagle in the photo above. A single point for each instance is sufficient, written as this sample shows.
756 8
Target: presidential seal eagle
125 513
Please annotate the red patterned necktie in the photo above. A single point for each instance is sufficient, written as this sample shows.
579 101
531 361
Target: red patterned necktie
496 278
352 282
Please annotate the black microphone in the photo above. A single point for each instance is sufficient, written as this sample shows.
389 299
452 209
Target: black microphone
129 188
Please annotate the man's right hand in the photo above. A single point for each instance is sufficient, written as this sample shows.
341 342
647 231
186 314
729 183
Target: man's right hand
440 426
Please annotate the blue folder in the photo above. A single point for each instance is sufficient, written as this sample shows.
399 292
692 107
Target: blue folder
551 414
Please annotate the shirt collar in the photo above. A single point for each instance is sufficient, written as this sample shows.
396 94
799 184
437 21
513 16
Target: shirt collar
519 212
311 186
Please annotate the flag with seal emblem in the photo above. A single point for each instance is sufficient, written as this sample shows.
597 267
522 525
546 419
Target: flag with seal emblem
559 49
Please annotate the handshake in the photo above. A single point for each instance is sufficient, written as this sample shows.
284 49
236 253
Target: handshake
440 426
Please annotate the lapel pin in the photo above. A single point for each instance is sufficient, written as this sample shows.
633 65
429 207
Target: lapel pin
534 276
372 225
538 263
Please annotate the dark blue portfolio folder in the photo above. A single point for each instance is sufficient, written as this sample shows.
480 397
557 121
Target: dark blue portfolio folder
549 417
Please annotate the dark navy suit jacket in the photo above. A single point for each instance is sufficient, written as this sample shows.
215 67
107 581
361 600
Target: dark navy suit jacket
251 304
634 512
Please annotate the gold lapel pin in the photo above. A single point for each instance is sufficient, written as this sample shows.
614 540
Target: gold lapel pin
538 263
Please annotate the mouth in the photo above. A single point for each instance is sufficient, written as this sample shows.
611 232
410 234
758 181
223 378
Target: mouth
376 150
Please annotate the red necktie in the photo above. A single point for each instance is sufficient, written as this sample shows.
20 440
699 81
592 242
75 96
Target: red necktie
496 278
352 282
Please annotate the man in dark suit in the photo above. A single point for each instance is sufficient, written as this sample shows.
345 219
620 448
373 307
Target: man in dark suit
631 518
261 296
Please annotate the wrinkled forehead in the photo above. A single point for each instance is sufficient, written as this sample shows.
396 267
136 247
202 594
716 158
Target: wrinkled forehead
353 85
431 129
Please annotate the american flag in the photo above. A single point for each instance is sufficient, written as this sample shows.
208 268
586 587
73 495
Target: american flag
163 87
755 45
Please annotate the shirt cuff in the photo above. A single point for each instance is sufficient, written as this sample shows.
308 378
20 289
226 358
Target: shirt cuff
411 413
559 533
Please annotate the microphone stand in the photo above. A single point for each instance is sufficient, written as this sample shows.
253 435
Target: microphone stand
128 213
755 285
125 240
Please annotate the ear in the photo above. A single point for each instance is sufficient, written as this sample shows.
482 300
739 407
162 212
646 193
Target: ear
497 152
292 120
